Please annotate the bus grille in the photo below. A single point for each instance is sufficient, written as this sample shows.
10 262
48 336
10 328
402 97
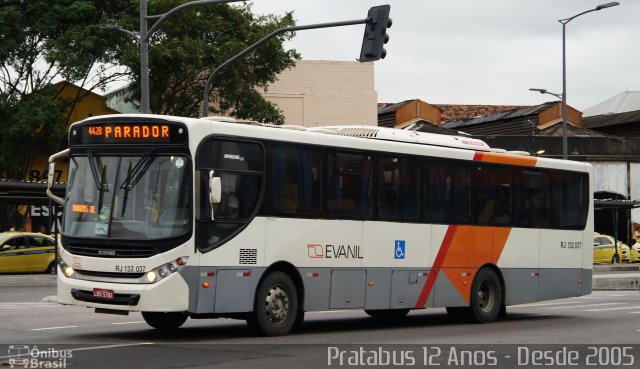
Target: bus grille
111 251
248 256
93 273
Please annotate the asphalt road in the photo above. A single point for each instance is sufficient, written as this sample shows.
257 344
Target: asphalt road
327 339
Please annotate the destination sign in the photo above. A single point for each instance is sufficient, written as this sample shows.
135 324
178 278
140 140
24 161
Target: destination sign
128 133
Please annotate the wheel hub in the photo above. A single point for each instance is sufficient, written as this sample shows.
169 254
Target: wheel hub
277 304
486 297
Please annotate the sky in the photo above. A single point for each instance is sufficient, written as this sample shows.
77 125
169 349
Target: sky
481 51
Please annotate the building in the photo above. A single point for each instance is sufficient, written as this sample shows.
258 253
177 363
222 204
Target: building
626 124
313 93
405 113
621 103
319 93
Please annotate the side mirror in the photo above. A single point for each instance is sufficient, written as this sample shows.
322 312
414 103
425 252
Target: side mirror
215 191
52 170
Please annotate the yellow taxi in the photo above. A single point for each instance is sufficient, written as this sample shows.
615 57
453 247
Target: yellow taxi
634 252
24 252
604 250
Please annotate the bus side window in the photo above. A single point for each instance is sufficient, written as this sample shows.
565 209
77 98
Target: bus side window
349 178
492 195
397 187
570 200
448 192
296 181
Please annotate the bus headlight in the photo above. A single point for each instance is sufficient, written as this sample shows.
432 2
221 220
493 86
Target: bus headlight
165 270
66 269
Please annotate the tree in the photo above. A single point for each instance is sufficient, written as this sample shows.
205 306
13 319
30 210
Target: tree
192 42
42 42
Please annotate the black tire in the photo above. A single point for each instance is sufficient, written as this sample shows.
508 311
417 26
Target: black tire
388 313
299 320
276 307
615 259
164 320
486 296
52 268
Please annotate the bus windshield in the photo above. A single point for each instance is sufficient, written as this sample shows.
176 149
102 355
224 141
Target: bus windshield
135 197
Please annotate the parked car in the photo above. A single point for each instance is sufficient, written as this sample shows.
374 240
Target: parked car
24 252
634 251
604 250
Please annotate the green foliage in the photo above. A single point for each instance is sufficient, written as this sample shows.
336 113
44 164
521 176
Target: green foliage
42 42
33 126
193 42
45 41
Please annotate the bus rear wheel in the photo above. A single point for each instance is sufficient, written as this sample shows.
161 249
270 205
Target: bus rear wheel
276 306
164 320
486 296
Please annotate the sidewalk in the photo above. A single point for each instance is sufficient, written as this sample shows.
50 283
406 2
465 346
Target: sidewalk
605 277
27 279
616 277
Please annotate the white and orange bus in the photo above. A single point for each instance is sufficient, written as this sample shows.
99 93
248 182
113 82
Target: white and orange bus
204 218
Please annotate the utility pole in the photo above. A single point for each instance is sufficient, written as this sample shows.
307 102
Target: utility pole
145 34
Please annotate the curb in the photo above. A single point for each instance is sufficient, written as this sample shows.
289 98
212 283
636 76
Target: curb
27 280
618 282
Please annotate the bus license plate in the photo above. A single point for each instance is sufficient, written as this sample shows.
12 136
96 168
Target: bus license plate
103 294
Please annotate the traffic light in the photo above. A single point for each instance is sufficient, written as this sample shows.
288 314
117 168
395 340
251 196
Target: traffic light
375 34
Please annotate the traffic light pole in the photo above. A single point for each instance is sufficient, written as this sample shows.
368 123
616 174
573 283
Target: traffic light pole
205 97
145 35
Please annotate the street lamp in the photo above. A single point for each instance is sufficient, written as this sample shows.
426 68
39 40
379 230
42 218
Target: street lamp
543 91
564 71
564 133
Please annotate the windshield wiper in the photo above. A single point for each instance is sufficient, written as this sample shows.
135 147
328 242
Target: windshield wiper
134 175
99 173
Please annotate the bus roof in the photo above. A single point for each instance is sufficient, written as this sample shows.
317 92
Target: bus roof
380 134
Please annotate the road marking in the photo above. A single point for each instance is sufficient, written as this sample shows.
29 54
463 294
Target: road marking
585 305
112 346
121 323
23 306
48 328
546 304
618 308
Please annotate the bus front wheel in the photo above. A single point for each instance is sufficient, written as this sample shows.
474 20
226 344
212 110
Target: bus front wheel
276 307
164 320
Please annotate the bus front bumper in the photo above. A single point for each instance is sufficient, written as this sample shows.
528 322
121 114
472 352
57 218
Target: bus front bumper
170 294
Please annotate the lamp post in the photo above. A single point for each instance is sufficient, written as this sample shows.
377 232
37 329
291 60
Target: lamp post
564 72
145 34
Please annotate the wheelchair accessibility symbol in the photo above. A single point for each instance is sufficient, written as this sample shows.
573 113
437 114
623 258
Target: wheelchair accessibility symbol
400 247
